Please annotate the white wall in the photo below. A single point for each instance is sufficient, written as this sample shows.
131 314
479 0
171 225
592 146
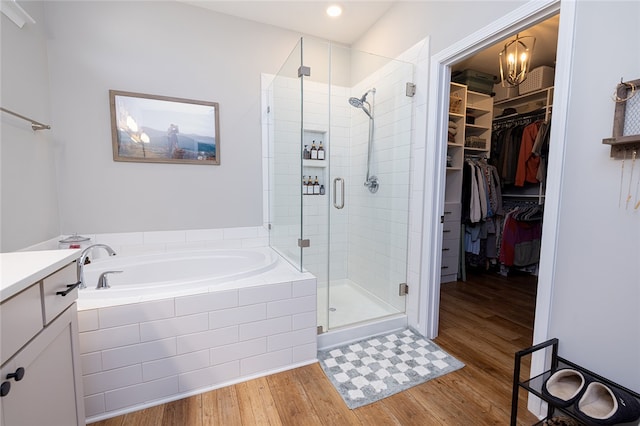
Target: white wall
597 274
161 48
29 200
597 282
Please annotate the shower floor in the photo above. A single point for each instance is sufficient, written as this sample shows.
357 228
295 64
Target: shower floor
350 304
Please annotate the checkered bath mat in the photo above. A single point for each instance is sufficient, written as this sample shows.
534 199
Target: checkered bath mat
380 366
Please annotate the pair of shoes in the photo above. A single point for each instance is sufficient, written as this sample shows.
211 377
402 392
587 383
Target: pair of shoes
594 402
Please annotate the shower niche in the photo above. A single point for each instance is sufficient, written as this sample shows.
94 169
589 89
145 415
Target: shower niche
315 167
353 240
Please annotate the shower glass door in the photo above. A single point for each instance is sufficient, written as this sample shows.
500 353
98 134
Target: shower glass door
284 156
368 222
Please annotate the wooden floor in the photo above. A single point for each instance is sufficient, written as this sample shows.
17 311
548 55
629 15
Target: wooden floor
482 323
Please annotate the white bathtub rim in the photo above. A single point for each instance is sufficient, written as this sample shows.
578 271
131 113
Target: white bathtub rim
281 271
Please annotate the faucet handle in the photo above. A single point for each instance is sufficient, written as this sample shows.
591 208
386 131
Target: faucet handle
102 281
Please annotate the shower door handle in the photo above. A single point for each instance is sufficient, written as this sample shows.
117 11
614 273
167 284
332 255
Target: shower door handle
335 193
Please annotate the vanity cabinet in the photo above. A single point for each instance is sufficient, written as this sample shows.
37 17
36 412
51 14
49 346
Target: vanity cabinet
40 372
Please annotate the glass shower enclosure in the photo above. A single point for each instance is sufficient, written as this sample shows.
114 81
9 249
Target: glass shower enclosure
339 133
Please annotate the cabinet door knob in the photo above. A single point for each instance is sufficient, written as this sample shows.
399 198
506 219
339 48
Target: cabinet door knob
17 376
5 388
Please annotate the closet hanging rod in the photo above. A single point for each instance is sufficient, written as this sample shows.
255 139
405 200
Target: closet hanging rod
35 125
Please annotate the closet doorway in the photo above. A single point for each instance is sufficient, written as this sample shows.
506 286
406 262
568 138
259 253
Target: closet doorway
497 151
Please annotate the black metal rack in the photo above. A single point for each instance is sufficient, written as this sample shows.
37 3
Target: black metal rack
534 385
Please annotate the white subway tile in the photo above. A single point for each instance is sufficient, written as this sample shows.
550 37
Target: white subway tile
208 339
176 326
239 315
126 238
255 242
91 341
304 288
112 379
236 233
266 362
88 320
238 351
134 313
266 293
291 339
135 354
163 237
134 395
204 235
210 376
304 320
291 306
91 362
265 328
305 352
175 365
94 404
206 302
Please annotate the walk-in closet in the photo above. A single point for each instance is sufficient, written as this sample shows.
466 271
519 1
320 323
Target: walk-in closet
497 154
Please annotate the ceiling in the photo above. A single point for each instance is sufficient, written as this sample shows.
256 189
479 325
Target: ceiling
306 16
358 16
544 52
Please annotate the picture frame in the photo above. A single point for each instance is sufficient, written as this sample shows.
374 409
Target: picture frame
626 120
161 129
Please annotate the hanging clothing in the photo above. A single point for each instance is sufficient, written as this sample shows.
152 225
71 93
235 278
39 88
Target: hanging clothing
528 162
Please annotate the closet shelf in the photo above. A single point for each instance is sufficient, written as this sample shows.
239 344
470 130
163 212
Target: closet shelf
476 112
519 100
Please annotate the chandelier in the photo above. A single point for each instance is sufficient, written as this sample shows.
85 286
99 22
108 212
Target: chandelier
515 59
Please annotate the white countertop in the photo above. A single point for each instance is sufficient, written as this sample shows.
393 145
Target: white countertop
19 270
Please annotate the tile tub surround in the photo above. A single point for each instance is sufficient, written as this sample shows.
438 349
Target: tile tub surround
143 354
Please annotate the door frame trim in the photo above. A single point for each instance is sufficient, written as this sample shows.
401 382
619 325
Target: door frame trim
527 15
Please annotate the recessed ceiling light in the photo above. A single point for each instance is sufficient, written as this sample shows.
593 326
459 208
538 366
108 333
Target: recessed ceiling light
334 11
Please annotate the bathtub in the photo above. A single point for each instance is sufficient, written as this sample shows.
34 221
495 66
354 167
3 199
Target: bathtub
159 275
176 324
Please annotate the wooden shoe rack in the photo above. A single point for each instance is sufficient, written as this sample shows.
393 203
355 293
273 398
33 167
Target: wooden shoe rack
534 385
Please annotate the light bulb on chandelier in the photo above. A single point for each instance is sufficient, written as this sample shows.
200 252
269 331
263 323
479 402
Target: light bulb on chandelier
515 59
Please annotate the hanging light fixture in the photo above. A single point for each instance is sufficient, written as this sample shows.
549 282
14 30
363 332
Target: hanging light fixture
515 59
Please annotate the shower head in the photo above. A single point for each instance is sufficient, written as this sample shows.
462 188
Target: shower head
356 102
362 102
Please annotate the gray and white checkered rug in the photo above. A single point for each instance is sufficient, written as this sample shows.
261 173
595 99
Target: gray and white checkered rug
375 368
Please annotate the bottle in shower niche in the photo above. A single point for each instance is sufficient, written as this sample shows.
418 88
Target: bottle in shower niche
306 154
305 187
322 190
316 187
314 151
320 152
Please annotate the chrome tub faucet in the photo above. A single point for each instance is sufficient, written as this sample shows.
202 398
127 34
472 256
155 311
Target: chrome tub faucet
84 255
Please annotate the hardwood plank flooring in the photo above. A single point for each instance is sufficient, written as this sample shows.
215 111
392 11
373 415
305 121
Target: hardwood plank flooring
483 322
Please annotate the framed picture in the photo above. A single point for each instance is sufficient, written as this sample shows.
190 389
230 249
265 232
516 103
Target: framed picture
160 129
626 120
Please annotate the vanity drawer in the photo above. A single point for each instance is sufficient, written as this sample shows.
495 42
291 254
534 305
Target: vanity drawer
449 265
450 247
451 231
452 212
54 303
21 318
